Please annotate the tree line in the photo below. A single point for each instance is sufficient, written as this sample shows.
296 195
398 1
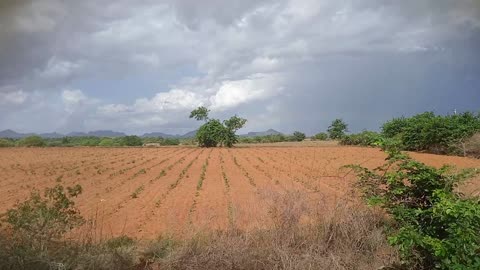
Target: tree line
37 141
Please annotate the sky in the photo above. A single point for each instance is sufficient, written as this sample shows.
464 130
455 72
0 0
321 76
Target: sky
142 66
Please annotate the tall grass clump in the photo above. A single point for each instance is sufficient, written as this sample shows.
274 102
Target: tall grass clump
349 237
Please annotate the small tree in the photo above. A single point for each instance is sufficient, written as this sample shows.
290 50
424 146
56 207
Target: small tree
337 129
214 132
299 136
232 125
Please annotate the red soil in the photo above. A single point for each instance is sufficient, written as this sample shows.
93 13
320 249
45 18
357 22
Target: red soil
234 192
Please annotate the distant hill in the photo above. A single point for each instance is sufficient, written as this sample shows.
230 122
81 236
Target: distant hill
97 133
106 133
190 134
262 133
13 135
52 135
77 134
9 134
109 133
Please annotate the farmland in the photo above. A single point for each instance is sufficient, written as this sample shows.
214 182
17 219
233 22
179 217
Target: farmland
143 192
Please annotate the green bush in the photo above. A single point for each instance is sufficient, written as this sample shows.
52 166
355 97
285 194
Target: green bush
37 225
106 142
211 133
265 139
434 226
170 141
32 141
322 136
131 141
433 133
365 138
299 136
6 143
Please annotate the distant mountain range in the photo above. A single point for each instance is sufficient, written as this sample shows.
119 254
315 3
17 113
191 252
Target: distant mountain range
262 133
109 133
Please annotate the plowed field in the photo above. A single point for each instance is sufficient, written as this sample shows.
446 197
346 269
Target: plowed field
147 191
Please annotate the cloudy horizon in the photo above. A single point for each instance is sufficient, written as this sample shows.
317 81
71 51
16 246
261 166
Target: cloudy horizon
142 66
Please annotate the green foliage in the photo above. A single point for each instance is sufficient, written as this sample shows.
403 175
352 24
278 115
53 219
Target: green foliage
39 222
231 126
131 141
365 138
6 143
213 132
322 136
299 136
200 113
106 142
31 141
162 141
435 227
337 129
434 133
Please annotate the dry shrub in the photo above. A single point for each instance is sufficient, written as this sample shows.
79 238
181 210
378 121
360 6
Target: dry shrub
472 146
349 236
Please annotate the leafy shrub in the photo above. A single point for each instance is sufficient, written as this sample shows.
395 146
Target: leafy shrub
31 141
337 129
365 138
299 136
435 227
106 142
265 139
170 141
434 133
131 141
37 225
6 143
322 136
211 133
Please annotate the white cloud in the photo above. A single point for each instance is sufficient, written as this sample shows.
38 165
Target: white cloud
175 99
235 55
15 97
59 69
233 93
75 100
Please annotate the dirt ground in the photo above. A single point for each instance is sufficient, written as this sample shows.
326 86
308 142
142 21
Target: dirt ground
147 191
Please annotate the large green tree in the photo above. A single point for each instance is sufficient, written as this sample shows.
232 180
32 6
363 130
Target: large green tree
214 132
337 129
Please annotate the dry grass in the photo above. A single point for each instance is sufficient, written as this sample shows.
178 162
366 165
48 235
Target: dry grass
472 146
348 236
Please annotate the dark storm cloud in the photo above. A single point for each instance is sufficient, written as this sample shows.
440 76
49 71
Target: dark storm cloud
283 64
